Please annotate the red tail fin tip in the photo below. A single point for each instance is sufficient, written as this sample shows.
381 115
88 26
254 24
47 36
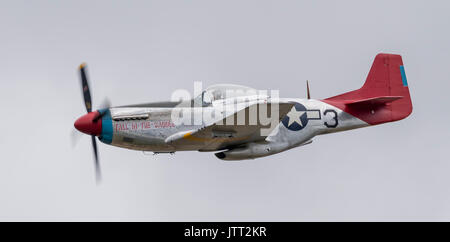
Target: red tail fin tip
384 97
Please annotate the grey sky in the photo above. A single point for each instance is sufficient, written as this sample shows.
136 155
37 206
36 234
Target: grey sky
140 51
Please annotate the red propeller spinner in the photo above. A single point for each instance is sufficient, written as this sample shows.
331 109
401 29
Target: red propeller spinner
89 123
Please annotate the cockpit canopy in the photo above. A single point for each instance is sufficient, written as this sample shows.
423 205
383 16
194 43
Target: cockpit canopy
223 91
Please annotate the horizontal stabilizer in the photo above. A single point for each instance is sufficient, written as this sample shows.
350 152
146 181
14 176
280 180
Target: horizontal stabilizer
372 101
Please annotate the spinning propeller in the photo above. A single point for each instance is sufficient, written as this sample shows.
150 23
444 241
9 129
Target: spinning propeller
91 123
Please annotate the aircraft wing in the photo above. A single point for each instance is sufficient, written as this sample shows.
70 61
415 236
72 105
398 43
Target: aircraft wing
234 129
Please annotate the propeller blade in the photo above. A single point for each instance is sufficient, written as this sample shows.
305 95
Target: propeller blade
74 137
98 173
308 95
88 105
104 105
85 88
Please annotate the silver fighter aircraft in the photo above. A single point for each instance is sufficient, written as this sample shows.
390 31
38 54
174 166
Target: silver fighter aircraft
240 123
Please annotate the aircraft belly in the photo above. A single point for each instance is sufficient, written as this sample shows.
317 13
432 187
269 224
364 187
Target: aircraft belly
151 139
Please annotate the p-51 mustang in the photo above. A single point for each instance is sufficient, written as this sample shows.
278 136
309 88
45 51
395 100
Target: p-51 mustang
242 124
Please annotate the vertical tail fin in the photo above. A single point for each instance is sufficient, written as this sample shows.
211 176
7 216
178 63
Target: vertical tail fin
384 97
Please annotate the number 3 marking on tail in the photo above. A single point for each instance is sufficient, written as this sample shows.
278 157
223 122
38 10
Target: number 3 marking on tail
335 118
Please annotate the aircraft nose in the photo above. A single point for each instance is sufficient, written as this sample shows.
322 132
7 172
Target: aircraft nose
87 125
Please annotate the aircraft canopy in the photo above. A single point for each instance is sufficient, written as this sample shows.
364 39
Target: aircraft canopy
224 91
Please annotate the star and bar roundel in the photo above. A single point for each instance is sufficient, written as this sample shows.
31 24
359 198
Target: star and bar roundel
298 117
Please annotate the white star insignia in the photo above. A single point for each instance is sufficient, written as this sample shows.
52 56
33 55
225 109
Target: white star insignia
294 116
